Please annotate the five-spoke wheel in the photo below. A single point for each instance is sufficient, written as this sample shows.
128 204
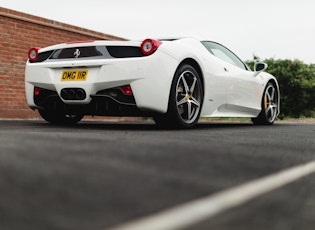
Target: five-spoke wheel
185 100
188 97
269 105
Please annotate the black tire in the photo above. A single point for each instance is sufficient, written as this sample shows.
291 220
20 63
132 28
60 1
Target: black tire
269 106
59 117
185 102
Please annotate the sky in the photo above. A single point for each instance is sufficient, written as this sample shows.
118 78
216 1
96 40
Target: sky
279 29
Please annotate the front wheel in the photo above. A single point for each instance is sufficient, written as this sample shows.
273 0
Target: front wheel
185 102
269 106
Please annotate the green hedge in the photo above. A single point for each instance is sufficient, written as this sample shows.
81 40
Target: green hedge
297 86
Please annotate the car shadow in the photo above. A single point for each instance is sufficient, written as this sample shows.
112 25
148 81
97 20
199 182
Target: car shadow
141 125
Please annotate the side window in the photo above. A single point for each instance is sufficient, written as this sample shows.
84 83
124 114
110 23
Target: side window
224 54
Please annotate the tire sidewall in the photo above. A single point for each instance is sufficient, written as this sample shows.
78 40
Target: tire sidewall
57 117
173 114
262 118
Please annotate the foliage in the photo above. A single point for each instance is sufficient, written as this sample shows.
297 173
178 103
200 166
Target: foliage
297 86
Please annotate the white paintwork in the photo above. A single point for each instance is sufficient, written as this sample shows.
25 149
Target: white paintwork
229 91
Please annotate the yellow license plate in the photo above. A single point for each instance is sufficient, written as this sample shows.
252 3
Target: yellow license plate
74 75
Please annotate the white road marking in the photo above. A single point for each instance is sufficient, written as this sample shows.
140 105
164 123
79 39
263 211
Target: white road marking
196 211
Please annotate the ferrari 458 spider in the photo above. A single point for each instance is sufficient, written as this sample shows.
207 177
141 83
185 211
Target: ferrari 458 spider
175 81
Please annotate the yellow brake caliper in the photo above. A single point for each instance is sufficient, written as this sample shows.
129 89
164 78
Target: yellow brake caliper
266 102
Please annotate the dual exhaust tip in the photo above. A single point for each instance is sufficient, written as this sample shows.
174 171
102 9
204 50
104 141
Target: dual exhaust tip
76 94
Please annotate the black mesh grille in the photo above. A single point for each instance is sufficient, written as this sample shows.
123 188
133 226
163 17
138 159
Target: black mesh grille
91 52
77 52
124 51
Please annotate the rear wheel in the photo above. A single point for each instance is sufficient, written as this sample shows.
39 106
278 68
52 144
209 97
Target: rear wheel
269 106
59 117
185 100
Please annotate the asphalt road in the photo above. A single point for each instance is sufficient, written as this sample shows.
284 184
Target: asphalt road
99 174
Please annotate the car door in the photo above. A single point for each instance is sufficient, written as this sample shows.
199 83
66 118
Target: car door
242 87
243 93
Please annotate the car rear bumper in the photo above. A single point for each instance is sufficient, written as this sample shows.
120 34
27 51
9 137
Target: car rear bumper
149 77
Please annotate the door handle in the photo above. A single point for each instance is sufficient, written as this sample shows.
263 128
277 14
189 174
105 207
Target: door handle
225 69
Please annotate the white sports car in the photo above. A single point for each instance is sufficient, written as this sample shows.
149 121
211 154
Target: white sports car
175 81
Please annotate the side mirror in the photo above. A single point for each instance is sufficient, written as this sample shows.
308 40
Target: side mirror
260 66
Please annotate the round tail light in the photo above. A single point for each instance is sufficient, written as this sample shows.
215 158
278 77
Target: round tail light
149 46
33 54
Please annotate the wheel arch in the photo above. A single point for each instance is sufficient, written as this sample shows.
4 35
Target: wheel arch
196 66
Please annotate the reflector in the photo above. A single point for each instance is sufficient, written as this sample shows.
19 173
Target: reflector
126 89
36 91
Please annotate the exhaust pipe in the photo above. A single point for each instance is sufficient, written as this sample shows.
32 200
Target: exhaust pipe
76 94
